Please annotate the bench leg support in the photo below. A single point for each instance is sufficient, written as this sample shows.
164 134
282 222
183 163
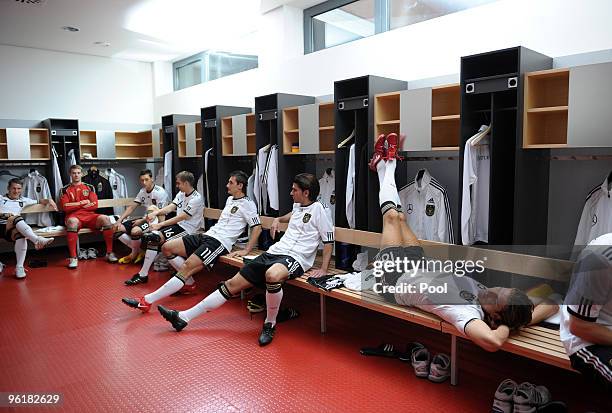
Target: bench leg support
454 367
323 314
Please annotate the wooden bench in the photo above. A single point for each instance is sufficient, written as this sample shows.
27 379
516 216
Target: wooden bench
534 342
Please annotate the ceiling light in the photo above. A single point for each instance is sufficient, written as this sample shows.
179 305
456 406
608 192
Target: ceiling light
70 29
103 44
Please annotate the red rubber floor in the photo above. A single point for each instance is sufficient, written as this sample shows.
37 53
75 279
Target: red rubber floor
67 331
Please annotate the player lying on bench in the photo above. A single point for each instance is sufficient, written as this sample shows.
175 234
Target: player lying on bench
13 227
485 315
309 223
204 250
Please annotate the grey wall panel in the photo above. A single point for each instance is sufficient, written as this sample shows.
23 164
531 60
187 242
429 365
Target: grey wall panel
590 92
308 116
190 136
239 132
105 143
18 143
156 139
415 119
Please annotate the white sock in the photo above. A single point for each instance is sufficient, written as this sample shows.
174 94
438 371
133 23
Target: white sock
135 246
25 230
21 247
177 262
126 240
381 167
212 302
148 261
170 287
273 301
388 189
190 281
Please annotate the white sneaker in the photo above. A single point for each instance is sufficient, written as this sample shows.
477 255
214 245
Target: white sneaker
73 263
439 370
92 254
420 361
529 397
502 403
83 254
111 257
43 242
20 272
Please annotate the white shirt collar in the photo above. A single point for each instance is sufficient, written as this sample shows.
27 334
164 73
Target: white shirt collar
425 180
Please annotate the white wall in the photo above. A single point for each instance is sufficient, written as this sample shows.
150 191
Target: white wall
428 49
39 84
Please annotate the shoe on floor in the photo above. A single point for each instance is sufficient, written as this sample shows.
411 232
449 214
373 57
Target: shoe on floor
83 254
267 334
286 314
42 242
111 257
2 268
439 369
126 260
420 362
73 263
92 254
172 316
20 272
502 403
139 258
136 279
407 355
529 397
138 303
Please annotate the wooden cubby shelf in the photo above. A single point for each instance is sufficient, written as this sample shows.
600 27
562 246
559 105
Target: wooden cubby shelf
445 117
324 130
134 145
227 136
546 109
38 143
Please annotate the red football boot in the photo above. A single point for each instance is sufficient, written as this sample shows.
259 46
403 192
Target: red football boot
395 144
380 152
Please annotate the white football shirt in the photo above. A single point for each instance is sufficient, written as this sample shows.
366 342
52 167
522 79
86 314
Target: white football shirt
237 214
193 205
307 227
596 218
157 197
14 206
475 197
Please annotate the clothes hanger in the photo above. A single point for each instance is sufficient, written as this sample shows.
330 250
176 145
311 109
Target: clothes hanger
347 140
419 176
8 173
329 171
483 131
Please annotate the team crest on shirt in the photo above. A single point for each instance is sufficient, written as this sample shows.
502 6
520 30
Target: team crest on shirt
20 204
306 218
234 209
467 296
85 192
594 220
38 188
332 199
410 208
430 209
153 201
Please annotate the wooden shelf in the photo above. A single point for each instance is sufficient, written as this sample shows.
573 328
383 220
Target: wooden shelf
389 122
292 131
251 134
387 107
445 148
39 144
447 117
327 128
133 144
88 144
326 115
3 144
445 101
548 109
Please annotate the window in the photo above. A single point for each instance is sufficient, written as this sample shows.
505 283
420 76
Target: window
336 22
210 65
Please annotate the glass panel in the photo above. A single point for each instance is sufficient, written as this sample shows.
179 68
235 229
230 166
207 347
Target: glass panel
347 23
224 64
406 12
189 74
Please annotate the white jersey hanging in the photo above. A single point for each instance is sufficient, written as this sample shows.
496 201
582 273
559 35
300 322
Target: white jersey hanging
475 196
36 187
596 218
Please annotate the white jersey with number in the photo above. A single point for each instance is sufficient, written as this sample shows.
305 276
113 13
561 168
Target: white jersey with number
14 206
596 218
237 214
157 197
589 297
193 205
119 187
308 226
427 209
475 197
